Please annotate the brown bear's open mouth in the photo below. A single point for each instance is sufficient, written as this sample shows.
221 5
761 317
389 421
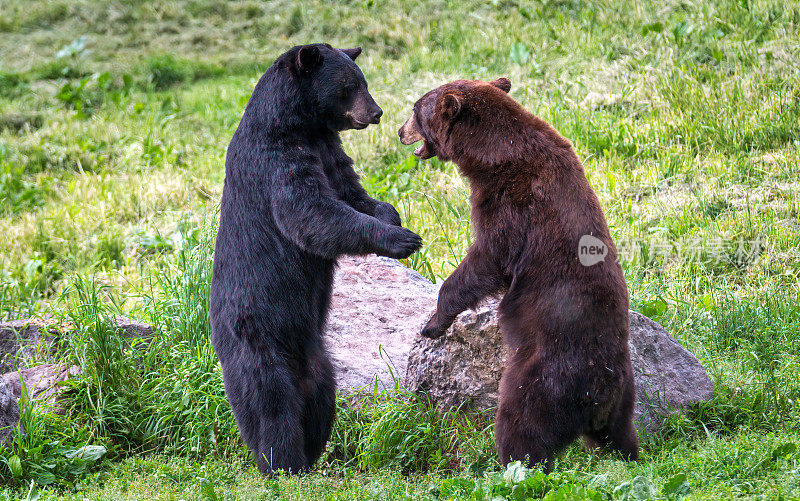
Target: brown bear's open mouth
425 150
410 135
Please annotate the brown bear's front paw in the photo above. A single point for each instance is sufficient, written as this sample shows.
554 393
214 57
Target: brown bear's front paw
434 329
432 332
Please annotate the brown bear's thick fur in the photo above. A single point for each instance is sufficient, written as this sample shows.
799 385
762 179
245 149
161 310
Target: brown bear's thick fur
565 323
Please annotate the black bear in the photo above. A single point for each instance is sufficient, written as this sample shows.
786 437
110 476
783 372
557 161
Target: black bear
564 315
291 205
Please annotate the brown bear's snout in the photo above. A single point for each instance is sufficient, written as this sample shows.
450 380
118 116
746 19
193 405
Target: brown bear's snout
409 133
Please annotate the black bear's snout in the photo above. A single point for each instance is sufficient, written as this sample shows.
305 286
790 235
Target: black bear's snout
364 111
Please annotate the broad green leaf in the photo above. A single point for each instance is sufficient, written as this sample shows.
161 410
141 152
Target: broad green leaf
784 450
638 489
611 182
87 452
676 486
654 308
15 465
707 303
515 472
656 27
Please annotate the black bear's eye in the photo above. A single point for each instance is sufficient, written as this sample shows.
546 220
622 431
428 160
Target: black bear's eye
347 91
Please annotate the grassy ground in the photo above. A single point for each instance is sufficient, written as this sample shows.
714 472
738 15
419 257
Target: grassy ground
114 118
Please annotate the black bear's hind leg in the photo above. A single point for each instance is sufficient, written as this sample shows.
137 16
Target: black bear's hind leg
266 404
280 438
319 407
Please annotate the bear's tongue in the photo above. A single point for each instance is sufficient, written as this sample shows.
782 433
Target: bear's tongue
419 150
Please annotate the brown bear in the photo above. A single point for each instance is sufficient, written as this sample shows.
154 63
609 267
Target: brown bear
540 236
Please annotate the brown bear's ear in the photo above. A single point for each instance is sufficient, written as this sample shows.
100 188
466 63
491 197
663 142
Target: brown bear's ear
502 83
308 58
352 53
451 105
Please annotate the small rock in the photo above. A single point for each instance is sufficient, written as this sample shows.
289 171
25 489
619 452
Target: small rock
20 340
769 158
42 383
133 329
26 340
598 100
9 412
20 121
594 100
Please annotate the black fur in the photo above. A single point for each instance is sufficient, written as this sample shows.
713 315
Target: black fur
291 205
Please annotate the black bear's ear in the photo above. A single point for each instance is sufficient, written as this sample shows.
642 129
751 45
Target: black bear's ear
502 83
308 58
451 105
352 53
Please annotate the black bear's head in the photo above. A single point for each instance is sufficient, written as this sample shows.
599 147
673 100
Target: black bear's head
335 85
436 113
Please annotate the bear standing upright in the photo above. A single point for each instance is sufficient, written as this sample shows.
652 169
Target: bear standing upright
291 205
564 315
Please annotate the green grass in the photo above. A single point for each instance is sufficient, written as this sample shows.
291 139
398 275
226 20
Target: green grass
108 198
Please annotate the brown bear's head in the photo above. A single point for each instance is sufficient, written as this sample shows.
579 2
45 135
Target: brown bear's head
436 112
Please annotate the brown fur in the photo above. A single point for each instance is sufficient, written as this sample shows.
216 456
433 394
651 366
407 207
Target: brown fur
566 325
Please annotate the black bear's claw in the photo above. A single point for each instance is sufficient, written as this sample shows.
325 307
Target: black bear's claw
404 244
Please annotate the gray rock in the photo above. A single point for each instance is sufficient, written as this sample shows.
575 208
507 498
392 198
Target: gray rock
132 329
9 412
19 121
36 339
21 341
378 308
668 377
464 367
42 383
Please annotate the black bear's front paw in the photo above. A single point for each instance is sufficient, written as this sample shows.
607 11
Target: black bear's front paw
403 243
434 328
387 213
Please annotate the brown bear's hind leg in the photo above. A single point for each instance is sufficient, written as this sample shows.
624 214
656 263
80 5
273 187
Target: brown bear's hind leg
620 438
626 440
531 425
517 444
620 435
